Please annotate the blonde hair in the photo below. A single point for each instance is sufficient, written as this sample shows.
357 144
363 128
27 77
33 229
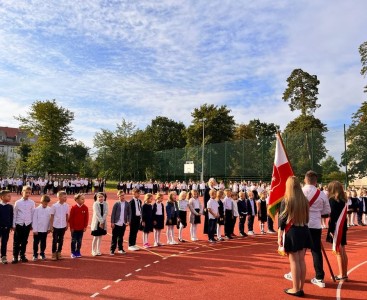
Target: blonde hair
182 195
336 191
147 197
61 193
220 194
170 196
158 195
26 188
296 204
189 195
78 196
213 193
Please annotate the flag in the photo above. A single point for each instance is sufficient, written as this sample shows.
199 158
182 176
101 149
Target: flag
282 169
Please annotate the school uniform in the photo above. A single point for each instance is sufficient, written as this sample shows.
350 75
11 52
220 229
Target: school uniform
242 212
78 220
119 217
172 213
158 216
147 218
182 212
60 212
228 216
212 219
41 226
134 219
6 223
251 213
195 211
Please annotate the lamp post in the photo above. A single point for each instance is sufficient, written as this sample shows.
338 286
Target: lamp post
202 153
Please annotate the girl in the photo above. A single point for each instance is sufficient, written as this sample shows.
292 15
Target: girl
147 218
219 199
235 211
99 224
363 197
182 206
355 204
158 219
195 213
171 211
261 211
337 233
293 234
350 209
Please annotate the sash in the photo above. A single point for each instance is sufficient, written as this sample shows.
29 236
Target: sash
338 233
314 198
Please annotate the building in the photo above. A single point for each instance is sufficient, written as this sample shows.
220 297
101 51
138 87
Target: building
10 139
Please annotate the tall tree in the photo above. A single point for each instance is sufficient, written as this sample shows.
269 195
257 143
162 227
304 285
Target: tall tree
4 164
302 92
363 53
329 165
219 125
49 123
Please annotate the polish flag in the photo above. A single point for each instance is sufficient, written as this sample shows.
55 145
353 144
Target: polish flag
282 169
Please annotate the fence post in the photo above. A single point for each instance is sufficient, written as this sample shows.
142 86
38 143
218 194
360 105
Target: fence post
346 158
312 151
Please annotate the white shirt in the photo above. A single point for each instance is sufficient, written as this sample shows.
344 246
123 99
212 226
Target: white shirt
41 219
59 211
227 203
214 206
23 212
137 208
235 208
182 204
320 207
159 211
121 221
252 202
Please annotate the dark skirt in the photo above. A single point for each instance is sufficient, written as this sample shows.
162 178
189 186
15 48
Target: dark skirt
221 220
173 221
99 231
297 238
197 219
160 222
148 227
182 216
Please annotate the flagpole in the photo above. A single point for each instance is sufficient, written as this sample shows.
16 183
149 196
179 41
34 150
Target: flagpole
328 263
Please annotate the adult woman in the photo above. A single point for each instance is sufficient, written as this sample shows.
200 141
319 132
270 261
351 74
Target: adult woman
337 232
293 233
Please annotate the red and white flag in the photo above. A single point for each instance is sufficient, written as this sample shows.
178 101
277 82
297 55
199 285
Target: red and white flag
282 169
338 233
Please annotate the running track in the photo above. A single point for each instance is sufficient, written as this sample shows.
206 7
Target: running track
241 268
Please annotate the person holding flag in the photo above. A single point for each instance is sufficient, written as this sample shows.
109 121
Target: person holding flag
337 232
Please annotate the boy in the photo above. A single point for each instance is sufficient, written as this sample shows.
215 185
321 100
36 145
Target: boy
59 224
6 222
41 227
251 212
242 212
78 222
228 214
213 215
119 221
134 219
22 223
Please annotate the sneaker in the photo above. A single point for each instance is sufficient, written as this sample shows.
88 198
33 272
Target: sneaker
174 243
73 255
136 247
319 282
181 240
4 261
228 237
122 251
94 253
146 245
288 276
35 258
59 256
271 231
132 248
54 256
77 254
220 239
263 232
212 241
99 254
24 259
155 245
250 233
160 244
43 256
112 253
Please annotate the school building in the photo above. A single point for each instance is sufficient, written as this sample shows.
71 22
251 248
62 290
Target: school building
10 139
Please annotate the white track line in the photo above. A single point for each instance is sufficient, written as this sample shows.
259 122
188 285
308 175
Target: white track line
137 270
94 295
338 290
128 275
157 261
146 266
106 287
118 280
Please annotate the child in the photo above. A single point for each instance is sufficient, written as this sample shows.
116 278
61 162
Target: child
195 213
213 213
355 209
235 211
220 221
158 219
242 212
228 214
182 206
364 206
6 222
119 221
59 224
22 223
171 211
147 219
349 209
41 227
78 221
251 212
134 219
99 222
261 211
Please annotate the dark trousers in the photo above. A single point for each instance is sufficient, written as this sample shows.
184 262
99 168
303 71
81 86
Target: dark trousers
21 235
39 239
270 224
316 253
134 227
250 222
117 237
241 224
212 228
4 235
76 240
228 222
57 239
206 222
233 224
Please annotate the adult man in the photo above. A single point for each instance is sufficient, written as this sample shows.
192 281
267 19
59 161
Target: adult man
319 205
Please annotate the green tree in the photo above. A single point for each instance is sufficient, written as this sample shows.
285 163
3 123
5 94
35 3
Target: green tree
49 124
4 164
219 125
302 92
329 165
363 53
23 152
75 157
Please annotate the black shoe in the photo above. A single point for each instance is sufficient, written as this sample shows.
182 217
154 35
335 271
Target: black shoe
15 261
300 293
229 237
23 259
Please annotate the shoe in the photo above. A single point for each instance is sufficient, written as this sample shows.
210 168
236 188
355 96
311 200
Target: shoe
146 245
35 258
59 256
132 248
99 254
155 244
73 255
136 247
4 261
15 261
271 231
233 235
341 278
212 241
319 282
112 253
300 293
288 276
121 251
54 256
78 254
228 237
160 244
43 256
174 243
220 239
94 253
181 240
23 259
250 233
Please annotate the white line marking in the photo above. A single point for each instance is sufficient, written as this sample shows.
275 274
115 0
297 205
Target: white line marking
138 270
94 295
147 266
164 257
128 275
106 287
338 290
118 280
173 254
157 261
188 250
181 252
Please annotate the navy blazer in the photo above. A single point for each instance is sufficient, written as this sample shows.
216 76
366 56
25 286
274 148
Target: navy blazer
132 209
242 207
249 212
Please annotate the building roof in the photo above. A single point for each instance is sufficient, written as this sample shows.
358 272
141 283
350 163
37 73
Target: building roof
10 131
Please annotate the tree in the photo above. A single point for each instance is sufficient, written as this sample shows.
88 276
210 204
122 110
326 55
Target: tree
356 155
363 53
329 165
302 92
4 164
219 125
23 151
164 133
49 124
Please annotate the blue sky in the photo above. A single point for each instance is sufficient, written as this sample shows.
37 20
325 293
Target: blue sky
108 60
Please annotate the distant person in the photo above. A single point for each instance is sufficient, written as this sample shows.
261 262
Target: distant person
211 186
172 215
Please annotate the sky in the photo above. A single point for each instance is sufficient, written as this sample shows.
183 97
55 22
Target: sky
108 60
